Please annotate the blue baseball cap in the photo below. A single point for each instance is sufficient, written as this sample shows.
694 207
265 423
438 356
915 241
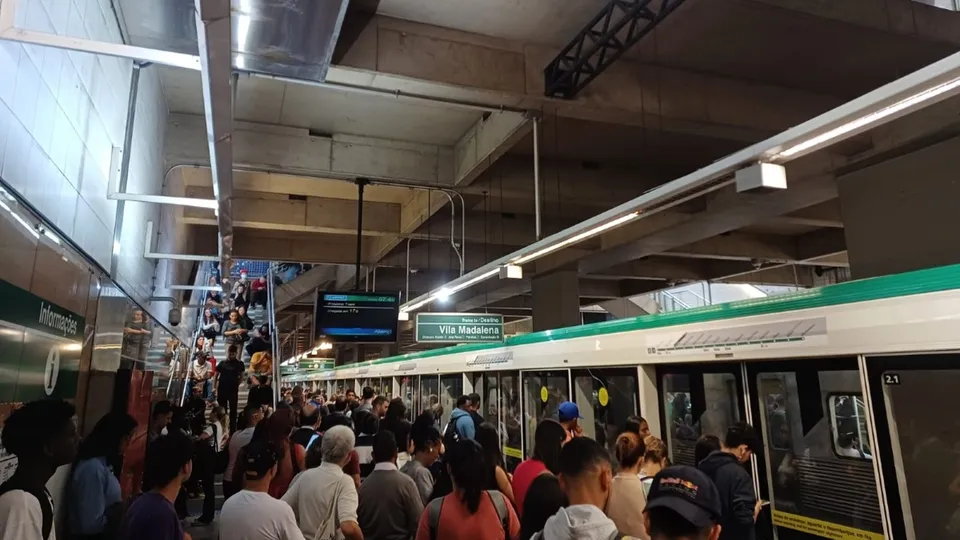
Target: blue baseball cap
568 411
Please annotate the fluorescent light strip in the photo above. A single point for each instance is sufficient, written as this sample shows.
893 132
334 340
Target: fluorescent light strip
864 121
574 239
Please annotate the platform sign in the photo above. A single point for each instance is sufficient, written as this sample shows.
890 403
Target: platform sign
459 328
40 345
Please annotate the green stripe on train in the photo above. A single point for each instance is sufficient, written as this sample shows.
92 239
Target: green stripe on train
931 280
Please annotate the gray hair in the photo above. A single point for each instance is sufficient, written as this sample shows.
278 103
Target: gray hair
337 443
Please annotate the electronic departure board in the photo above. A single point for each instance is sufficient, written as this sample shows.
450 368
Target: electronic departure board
357 317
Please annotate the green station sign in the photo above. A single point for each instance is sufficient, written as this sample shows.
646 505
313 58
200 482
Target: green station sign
40 345
459 328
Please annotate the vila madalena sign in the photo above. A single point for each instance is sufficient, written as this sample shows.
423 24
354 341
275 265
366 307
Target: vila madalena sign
459 328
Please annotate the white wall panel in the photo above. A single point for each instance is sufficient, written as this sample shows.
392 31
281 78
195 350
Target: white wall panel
61 116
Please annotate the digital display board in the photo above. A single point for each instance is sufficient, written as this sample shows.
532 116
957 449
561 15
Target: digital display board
357 317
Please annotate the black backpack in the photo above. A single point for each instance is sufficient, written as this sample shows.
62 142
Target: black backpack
43 497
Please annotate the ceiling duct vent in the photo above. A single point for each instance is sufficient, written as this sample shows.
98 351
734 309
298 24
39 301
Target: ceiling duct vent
288 38
952 5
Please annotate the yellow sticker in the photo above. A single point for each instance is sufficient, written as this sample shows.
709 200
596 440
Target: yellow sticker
544 394
822 529
603 396
513 452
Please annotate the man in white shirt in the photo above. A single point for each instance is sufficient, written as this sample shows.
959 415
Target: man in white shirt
252 514
325 494
252 415
43 436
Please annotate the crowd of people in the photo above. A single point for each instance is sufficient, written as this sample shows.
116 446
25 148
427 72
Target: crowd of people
357 468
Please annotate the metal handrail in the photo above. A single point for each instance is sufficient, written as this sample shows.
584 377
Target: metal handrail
274 336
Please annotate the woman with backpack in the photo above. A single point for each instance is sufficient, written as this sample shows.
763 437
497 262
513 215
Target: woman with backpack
469 512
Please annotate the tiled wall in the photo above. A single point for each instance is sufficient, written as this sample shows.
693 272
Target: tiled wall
61 115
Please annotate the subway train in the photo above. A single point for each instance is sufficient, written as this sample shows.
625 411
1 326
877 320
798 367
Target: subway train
854 388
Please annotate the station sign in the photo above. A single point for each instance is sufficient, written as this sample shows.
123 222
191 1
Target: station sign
459 328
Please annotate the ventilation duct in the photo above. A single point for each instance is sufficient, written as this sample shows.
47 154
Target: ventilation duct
290 38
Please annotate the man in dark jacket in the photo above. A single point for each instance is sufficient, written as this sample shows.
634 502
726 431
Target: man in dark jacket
725 468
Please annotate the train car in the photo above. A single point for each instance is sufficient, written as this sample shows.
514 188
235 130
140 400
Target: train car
852 386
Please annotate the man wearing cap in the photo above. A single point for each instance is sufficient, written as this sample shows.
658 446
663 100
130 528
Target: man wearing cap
568 414
683 505
252 514
725 468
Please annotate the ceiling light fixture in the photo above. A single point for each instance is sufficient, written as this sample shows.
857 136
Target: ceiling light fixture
574 239
869 120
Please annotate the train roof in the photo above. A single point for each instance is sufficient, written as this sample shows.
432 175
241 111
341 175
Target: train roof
930 280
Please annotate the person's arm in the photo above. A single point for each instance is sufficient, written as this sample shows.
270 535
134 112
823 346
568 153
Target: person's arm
88 488
744 501
514 523
425 484
20 517
347 511
292 498
467 427
287 525
412 503
503 485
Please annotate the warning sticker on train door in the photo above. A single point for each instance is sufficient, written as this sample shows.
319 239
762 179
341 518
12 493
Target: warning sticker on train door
823 529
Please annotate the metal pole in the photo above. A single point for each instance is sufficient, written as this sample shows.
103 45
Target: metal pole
125 167
374 288
361 182
406 292
536 174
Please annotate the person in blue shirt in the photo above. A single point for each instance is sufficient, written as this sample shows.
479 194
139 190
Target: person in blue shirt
95 504
461 421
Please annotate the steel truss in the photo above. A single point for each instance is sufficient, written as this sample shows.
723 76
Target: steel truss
620 25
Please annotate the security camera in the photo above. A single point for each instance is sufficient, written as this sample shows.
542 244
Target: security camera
174 317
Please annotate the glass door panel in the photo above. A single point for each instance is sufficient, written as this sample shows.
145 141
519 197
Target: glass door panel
816 467
430 394
697 400
606 397
408 392
511 417
918 440
543 393
451 388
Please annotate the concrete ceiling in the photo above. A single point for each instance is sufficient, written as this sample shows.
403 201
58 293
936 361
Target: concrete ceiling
325 111
718 75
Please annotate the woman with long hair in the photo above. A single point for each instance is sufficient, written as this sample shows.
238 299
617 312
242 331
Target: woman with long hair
210 326
499 480
470 512
95 506
547 441
627 497
290 457
395 421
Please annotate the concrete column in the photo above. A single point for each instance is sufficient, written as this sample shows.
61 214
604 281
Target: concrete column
901 214
556 300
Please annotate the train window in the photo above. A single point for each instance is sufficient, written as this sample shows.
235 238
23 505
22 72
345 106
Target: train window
719 408
451 388
812 488
848 423
408 394
606 398
544 391
430 394
512 418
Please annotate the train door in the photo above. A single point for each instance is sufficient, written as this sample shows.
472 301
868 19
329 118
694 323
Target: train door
451 388
508 412
606 397
816 467
543 392
429 393
696 400
914 405
408 392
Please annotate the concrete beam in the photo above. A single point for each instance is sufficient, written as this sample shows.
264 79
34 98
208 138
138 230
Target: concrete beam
903 17
401 55
728 212
319 276
282 246
485 142
826 214
295 151
319 215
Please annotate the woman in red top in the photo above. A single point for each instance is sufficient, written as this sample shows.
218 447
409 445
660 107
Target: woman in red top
290 456
548 440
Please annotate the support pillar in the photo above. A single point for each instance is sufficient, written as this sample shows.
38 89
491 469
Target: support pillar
901 214
556 300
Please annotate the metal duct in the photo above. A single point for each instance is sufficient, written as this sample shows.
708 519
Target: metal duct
213 23
291 38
